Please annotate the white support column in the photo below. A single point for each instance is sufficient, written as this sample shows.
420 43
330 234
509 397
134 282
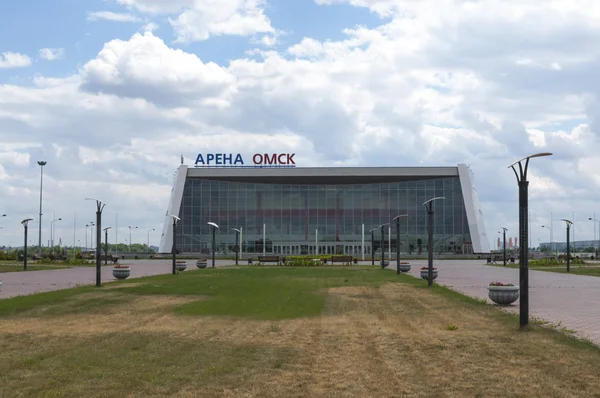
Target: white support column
390 243
241 241
317 241
363 243
264 239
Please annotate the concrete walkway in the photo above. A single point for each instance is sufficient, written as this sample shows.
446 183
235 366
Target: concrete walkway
571 301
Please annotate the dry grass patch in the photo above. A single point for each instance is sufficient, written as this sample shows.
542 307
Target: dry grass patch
391 339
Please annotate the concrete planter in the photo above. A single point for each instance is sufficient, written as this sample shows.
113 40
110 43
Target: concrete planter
181 265
425 274
503 295
121 273
404 267
202 263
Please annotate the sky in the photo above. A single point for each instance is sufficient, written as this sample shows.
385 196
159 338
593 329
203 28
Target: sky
110 93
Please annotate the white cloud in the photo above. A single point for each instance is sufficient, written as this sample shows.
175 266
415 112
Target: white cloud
52 54
112 16
10 60
197 20
437 83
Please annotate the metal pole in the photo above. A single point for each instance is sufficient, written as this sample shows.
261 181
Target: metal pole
504 244
430 244
106 247
398 246
237 245
568 249
264 239
98 240
214 246
372 247
25 249
173 249
382 246
42 164
523 255
363 242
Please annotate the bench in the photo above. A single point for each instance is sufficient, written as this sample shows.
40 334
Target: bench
495 259
342 259
271 259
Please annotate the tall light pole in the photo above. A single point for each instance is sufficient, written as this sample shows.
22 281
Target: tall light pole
237 245
25 222
148 241
595 221
106 245
174 247
130 227
397 220
86 227
99 208
523 235
569 223
214 241
41 163
52 226
429 206
383 244
504 244
373 245
550 230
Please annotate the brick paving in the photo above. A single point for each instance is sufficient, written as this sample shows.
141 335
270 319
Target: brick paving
570 301
573 301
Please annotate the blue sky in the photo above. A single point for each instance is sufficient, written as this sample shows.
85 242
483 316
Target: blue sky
29 25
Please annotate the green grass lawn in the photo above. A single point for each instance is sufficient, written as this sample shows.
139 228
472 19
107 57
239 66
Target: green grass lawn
578 269
279 331
11 266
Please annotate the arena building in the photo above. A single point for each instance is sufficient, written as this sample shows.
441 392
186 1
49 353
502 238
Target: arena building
279 208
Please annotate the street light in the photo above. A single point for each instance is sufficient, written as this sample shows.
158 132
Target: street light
397 219
148 241
429 206
237 243
383 244
214 241
173 249
106 245
569 223
523 236
99 208
595 221
504 244
551 243
373 245
41 163
130 227
52 226
25 222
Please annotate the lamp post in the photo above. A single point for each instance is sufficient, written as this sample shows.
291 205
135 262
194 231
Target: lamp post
41 163
130 227
174 248
504 244
214 241
595 221
397 219
52 225
148 239
373 246
237 245
25 222
523 236
383 244
106 245
99 208
569 223
86 246
550 230
429 206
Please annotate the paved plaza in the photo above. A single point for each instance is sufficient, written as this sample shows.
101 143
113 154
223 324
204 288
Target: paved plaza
573 301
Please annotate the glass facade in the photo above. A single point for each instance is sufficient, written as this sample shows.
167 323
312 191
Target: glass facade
326 219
